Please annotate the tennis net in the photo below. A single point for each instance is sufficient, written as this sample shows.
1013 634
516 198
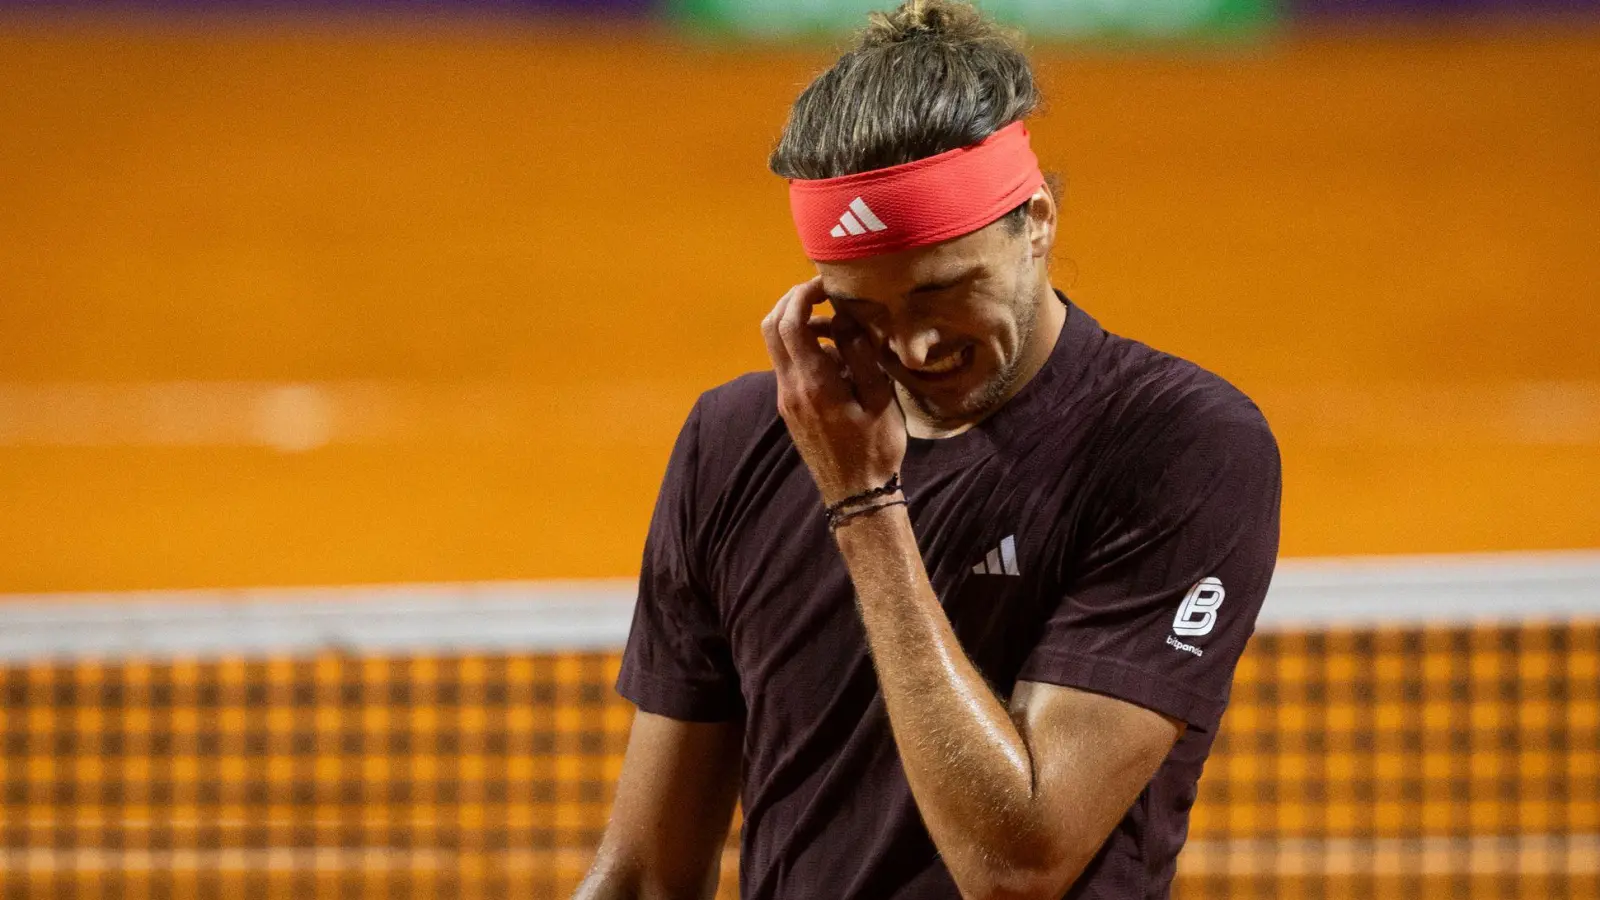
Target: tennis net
1376 758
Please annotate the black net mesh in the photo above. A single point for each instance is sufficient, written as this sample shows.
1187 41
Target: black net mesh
1438 762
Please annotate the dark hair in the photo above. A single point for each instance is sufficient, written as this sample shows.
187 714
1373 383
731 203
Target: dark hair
931 76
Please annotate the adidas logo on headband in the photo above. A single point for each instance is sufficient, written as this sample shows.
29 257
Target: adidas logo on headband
858 219
931 200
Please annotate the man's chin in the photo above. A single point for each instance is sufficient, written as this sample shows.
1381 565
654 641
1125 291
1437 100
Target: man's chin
956 409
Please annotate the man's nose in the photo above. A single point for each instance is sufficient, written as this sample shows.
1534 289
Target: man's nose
911 346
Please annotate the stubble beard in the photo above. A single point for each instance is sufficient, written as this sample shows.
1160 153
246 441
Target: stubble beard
989 396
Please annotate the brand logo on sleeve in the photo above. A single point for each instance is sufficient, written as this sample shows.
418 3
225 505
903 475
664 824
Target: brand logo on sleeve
1197 615
1002 560
858 219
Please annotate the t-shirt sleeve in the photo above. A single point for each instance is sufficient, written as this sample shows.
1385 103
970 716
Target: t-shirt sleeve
1166 595
677 661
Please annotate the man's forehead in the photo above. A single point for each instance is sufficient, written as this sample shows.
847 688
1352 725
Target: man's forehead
880 280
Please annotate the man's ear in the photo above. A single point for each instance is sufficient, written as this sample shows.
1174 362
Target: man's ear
1042 220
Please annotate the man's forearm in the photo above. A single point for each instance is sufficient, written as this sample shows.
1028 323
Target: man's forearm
612 879
606 885
969 767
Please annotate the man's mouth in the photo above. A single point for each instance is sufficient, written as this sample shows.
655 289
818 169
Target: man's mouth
947 367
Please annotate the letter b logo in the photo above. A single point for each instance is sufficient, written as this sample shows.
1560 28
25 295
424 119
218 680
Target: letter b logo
1198 613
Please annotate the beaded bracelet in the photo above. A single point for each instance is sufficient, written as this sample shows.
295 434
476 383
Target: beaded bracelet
845 509
888 487
837 519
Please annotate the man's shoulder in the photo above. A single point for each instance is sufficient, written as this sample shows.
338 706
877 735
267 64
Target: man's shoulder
736 411
729 418
726 424
748 397
1171 432
1150 390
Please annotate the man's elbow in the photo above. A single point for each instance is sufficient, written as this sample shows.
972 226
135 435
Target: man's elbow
1035 876
1020 884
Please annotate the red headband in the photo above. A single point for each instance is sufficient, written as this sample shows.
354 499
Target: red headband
918 203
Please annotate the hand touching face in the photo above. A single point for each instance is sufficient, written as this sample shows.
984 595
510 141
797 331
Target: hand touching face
836 400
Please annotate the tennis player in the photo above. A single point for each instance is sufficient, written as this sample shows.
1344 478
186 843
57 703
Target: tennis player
952 597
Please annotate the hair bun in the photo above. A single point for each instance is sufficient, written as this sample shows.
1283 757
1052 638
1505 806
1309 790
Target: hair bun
948 20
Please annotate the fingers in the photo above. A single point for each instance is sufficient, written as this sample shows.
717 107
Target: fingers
872 386
809 363
794 342
836 362
769 333
792 322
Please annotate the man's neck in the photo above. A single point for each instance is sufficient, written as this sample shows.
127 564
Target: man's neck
1048 322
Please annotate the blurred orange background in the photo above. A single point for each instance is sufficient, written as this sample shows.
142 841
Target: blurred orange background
290 305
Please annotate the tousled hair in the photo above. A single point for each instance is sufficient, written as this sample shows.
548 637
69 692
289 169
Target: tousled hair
927 77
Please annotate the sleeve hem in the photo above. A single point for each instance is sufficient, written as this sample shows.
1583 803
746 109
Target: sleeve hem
1118 679
676 700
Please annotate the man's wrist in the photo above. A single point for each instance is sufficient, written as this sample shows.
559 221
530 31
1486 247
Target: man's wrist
840 498
872 526
839 517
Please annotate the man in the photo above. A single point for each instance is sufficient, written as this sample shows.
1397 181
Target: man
952 597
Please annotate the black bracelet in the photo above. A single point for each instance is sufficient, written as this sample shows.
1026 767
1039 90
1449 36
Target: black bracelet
889 487
837 519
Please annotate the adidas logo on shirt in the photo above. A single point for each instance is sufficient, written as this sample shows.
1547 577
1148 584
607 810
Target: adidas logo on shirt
858 219
1002 560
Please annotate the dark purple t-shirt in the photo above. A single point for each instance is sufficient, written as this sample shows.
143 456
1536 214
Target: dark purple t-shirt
1112 528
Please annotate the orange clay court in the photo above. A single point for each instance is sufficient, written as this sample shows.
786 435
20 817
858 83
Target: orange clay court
1381 239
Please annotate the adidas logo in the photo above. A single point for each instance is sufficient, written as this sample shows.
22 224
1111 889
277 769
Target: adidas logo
1002 560
858 219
